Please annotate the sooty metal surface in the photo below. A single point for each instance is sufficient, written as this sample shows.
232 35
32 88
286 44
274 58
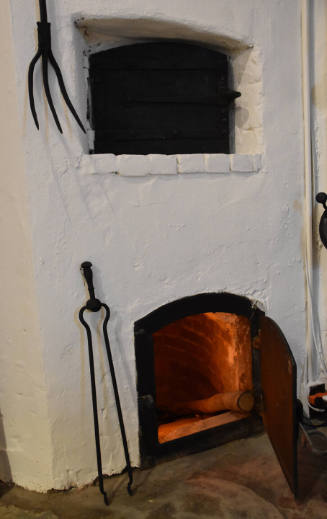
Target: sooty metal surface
162 97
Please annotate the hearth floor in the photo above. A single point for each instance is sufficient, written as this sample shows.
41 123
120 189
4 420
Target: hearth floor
241 479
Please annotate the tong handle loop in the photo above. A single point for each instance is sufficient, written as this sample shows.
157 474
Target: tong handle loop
93 304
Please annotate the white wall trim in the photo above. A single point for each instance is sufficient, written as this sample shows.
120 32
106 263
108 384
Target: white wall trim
153 164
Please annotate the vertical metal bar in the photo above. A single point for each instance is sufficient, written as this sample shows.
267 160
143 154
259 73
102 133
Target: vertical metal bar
94 402
117 399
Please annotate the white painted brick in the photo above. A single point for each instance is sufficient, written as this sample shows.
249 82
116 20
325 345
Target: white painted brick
163 164
90 137
133 165
257 162
105 163
216 163
248 140
86 165
241 163
192 163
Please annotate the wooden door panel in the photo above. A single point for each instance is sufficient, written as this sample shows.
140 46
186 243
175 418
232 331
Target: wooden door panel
278 381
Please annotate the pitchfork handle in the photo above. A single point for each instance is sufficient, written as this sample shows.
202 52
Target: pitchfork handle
43 11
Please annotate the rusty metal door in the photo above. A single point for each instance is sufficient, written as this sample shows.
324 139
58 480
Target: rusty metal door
278 382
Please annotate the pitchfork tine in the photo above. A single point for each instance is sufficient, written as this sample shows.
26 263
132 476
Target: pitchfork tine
64 91
30 87
48 93
45 53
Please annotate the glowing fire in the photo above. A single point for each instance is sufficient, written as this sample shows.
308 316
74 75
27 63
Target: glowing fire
198 360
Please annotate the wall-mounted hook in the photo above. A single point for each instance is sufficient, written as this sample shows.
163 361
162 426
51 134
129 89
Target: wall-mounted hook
321 198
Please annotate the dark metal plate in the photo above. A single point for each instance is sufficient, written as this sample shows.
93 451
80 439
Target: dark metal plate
323 229
160 97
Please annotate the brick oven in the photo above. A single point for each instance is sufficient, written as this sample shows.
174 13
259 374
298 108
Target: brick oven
192 220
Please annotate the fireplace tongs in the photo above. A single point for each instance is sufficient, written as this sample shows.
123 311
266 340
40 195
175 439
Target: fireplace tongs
44 52
94 305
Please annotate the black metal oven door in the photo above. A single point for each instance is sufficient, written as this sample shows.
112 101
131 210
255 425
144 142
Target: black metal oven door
278 382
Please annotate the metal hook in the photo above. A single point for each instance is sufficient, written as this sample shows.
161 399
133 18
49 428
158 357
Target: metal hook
321 198
45 53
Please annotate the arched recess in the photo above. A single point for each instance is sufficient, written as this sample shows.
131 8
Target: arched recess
101 34
164 97
197 304
213 343
190 349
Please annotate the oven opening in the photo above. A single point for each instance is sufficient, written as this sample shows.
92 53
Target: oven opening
203 373
212 368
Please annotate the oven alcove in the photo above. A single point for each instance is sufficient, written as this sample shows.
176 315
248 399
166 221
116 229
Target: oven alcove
199 361
194 358
162 97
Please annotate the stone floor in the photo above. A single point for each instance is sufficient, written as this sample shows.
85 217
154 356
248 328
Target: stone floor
241 479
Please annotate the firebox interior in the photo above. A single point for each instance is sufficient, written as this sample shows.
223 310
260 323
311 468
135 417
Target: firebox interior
193 356
198 359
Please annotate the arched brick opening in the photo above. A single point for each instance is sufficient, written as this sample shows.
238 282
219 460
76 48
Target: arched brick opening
191 354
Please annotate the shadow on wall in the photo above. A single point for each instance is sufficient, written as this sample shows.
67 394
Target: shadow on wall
5 472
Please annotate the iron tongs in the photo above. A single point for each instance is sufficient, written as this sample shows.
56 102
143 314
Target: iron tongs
94 305
45 53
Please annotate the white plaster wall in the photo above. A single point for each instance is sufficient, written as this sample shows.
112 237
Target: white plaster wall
154 239
25 446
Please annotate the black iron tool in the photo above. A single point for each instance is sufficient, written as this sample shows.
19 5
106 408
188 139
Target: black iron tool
94 305
322 199
44 52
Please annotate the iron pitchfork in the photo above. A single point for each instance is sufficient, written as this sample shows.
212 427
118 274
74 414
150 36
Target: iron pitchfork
94 305
44 52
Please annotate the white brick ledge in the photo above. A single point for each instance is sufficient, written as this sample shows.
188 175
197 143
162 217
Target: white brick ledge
143 165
